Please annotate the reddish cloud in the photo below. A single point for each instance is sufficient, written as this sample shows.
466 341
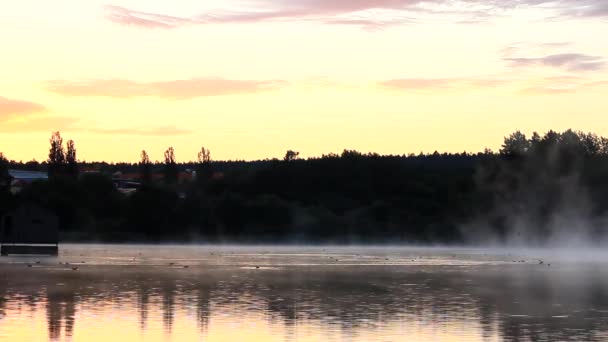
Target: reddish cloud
18 116
179 89
9 107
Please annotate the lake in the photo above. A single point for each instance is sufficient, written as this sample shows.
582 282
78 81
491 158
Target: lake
261 293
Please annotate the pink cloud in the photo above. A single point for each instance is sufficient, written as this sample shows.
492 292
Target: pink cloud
37 123
9 107
550 85
178 89
265 10
126 16
441 83
342 11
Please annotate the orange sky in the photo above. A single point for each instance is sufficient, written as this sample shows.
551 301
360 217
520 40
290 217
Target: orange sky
252 79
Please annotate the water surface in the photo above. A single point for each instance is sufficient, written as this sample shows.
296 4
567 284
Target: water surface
211 293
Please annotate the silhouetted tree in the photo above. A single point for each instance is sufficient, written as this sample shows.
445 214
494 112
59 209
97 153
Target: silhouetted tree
353 154
145 167
204 156
204 162
6 198
71 160
32 165
291 155
350 195
170 170
5 177
56 161
515 145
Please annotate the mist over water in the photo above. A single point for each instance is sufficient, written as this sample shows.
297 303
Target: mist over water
542 192
328 293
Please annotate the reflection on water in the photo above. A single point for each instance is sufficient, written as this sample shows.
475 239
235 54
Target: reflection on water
404 298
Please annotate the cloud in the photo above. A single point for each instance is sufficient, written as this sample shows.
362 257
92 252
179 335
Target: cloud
441 83
38 123
584 8
369 14
272 10
42 123
419 83
550 85
127 16
9 107
178 89
548 91
157 131
568 61
561 85
368 24
17 116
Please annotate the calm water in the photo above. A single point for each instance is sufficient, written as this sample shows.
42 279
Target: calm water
203 293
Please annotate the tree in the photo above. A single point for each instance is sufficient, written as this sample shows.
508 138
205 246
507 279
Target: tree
170 170
291 155
204 156
145 167
56 161
5 177
6 198
70 160
204 160
515 145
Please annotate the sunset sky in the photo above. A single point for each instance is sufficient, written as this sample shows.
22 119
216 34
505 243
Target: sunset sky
250 79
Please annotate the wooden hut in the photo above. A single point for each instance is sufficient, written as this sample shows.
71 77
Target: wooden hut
29 229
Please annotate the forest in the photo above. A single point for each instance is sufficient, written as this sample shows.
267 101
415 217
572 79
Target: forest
535 190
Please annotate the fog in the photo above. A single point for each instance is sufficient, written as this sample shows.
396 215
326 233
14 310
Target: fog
542 193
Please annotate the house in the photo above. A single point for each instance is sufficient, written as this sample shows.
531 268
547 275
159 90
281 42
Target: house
29 229
127 182
21 177
126 187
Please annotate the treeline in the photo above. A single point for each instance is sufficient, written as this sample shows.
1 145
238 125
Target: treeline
534 190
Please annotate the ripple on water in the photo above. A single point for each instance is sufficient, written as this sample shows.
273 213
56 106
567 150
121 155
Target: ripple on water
312 294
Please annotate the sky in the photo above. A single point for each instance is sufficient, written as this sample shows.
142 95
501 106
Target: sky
250 79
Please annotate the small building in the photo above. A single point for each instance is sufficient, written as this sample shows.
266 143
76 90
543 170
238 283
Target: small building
22 177
29 229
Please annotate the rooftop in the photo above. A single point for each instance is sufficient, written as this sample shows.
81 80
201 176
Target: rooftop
27 175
